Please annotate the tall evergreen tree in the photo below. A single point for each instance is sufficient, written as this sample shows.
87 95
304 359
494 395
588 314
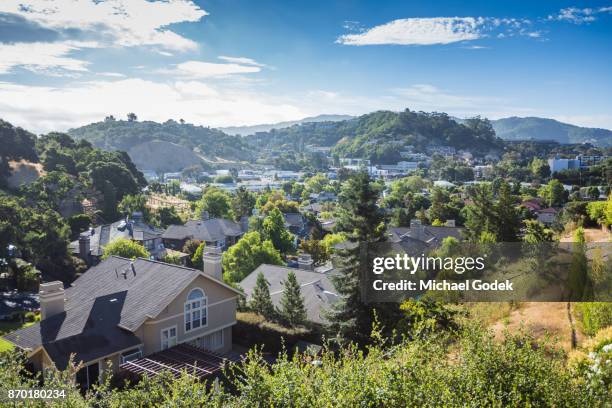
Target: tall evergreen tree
363 222
292 301
507 220
261 302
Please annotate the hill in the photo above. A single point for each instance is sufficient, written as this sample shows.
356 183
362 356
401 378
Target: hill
532 128
251 130
380 136
153 155
136 137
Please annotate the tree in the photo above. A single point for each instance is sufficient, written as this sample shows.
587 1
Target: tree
130 204
578 272
316 249
197 259
363 223
507 220
131 117
215 202
246 255
261 302
292 309
273 229
553 193
168 216
125 248
597 211
539 168
243 202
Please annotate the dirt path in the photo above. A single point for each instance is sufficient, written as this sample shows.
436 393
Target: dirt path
542 319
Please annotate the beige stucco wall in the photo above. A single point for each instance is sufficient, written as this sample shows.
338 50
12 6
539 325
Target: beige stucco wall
221 314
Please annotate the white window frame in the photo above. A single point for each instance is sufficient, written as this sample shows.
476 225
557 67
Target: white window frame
189 310
161 337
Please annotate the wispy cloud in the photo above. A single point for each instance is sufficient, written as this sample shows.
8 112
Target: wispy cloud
580 15
241 60
440 30
418 31
200 69
117 22
41 57
46 108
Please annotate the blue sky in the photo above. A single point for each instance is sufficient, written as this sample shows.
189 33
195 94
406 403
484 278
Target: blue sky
64 63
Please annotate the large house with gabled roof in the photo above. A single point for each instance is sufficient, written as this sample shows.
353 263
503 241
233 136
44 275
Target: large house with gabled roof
121 311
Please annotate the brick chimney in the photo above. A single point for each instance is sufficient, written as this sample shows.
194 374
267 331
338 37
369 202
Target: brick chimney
212 265
51 295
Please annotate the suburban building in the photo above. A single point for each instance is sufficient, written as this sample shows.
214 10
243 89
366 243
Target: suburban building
218 233
296 223
316 287
91 243
120 311
429 235
547 216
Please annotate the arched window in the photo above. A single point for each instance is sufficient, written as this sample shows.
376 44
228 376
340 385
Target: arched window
196 310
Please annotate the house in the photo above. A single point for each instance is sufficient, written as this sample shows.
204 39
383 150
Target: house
218 233
317 289
296 223
90 245
121 310
428 235
547 216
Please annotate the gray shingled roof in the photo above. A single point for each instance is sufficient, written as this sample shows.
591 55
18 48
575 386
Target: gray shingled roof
294 219
211 230
317 289
431 234
100 236
104 306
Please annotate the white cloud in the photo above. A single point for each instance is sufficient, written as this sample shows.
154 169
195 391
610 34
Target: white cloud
44 108
580 15
241 60
440 30
199 69
418 31
118 22
41 57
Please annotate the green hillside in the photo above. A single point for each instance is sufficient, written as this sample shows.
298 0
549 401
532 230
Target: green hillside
515 128
128 135
381 135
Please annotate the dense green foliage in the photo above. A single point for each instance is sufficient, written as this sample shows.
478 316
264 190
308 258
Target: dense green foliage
468 369
594 316
377 136
122 135
125 248
246 255
292 309
261 302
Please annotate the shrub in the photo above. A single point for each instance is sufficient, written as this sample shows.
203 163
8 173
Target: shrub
594 316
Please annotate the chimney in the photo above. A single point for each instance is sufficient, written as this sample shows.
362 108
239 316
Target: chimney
417 231
244 223
85 246
305 262
137 216
212 265
51 295
449 223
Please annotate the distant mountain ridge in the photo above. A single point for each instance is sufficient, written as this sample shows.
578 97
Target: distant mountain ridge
250 130
534 128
